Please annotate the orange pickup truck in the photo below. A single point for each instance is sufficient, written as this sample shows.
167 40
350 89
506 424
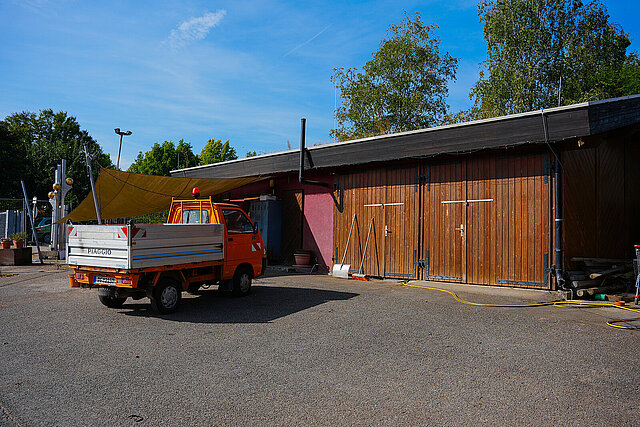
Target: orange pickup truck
202 243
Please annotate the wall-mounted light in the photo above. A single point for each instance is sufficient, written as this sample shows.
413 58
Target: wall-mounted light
580 142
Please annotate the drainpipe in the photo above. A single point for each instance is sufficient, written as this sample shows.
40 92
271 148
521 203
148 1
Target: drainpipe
303 150
557 268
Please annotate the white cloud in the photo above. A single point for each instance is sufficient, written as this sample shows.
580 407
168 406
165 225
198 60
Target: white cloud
194 29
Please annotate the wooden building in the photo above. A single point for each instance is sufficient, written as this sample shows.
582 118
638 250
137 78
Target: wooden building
506 201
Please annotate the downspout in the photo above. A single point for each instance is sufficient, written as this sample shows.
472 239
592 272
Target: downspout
557 268
303 150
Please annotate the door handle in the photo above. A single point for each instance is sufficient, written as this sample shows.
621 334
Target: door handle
461 229
386 230
230 239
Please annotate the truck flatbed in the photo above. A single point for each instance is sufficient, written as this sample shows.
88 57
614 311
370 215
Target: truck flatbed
128 247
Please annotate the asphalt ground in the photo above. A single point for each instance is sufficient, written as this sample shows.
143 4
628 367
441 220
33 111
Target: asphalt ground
309 350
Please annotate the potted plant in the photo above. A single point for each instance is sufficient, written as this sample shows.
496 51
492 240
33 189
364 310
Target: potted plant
18 239
6 243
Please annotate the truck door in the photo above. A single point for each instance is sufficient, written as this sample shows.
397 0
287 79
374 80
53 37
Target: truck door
243 245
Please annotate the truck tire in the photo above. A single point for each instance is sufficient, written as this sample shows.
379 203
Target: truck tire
166 296
107 298
242 282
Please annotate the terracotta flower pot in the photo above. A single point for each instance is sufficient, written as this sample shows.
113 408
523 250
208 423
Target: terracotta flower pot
19 244
6 244
303 258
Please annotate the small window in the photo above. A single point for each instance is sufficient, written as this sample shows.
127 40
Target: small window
237 221
192 216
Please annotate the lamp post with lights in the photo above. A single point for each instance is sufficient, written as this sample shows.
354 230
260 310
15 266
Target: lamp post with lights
121 133
61 187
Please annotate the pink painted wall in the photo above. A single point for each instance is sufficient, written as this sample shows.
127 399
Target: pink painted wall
317 230
318 225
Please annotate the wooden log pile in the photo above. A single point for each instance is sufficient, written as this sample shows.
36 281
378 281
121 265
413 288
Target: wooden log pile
601 276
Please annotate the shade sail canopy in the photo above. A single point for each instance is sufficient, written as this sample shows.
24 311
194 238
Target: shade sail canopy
123 194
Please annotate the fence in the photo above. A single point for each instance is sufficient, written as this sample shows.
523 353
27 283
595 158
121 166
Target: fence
12 221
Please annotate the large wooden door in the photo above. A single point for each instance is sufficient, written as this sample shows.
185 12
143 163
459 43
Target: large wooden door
359 204
444 222
522 234
384 201
486 220
400 231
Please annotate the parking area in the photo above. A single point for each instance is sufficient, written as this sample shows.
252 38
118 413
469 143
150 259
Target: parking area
310 350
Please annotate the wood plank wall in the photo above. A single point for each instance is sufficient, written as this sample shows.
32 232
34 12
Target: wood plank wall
483 219
601 186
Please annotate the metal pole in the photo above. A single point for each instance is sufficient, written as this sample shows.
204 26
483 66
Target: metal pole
93 185
33 226
303 123
119 148
62 241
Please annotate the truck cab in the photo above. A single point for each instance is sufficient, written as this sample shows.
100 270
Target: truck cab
243 242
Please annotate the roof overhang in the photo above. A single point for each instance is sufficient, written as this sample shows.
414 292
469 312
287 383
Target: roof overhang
584 119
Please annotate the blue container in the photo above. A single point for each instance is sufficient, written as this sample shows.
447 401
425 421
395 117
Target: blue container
268 215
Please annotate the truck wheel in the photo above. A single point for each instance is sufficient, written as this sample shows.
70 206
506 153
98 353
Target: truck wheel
166 297
107 297
242 282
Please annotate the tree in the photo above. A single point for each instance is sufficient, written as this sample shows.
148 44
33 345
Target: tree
216 151
14 156
251 154
163 158
40 142
542 53
404 86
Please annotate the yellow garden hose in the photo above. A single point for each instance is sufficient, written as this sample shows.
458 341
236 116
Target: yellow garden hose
563 304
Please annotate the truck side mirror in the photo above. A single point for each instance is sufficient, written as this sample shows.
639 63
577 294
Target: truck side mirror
255 228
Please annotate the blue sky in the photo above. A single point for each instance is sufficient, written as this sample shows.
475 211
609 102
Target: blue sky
243 71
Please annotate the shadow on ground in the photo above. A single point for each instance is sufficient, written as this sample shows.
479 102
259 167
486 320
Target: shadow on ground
264 304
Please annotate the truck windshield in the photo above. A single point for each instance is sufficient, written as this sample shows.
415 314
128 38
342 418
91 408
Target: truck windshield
192 216
237 222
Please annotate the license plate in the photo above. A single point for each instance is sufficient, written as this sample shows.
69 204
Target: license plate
102 280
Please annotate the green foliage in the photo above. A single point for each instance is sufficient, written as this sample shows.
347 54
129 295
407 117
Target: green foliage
163 158
463 116
13 154
32 145
21 235
251 154
152 218
215 151
404 86
532 44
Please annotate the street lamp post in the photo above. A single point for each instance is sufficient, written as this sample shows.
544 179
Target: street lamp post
121 133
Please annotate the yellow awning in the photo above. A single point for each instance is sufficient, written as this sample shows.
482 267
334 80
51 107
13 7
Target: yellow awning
123 194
